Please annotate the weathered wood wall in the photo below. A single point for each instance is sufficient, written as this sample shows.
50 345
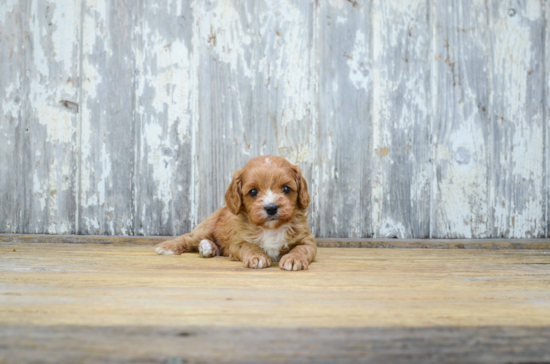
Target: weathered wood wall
410 119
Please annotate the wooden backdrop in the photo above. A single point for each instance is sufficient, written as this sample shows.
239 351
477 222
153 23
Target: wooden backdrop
409 118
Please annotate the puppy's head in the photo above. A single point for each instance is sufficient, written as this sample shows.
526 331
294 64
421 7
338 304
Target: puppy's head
270 190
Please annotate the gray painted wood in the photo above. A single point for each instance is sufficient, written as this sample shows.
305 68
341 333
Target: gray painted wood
344 133
546 110
517 198
107 130
401 169
130 117
461 119
13 47
51 116
164 112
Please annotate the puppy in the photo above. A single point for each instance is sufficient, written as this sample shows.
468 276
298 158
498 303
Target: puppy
264 220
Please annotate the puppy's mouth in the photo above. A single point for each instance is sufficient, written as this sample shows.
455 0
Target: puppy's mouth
271 222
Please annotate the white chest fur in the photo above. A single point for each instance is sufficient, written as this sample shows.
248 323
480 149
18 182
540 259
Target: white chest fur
273 240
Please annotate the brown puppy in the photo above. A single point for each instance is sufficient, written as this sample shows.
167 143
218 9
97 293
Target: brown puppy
265 220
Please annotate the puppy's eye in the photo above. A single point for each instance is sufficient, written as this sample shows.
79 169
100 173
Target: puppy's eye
286 190
253 192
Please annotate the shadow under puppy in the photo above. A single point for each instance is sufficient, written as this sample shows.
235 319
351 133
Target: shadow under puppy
264 219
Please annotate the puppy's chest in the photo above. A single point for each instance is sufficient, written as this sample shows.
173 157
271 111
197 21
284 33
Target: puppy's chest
272 241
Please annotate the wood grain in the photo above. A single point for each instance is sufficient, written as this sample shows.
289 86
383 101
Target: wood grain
461 126
130 117
401 169
13 45
115 303
164 113
50 151
517 126
107 130
546 109
192 344
342 183
86 284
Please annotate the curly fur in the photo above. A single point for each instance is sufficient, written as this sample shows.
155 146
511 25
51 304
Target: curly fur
242 230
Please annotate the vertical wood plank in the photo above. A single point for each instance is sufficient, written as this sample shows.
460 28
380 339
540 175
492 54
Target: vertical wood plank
50 155
13 48
518 144
546 110
401 169
107 120
164 111
256 81
461 125
344 137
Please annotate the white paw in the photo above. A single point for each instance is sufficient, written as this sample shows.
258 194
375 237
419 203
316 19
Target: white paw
162 251
257 262
260 264
205 248
293 262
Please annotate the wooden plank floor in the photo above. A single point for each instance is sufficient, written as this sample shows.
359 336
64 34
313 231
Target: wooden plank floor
123 303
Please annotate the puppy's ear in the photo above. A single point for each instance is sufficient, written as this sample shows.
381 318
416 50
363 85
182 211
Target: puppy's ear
303 195
233 196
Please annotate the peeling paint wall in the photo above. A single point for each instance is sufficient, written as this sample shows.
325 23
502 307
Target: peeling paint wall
129 117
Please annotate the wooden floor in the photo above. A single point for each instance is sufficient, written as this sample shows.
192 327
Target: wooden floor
122 303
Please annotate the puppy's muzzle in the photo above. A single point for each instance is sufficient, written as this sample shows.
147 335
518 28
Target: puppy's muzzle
271 209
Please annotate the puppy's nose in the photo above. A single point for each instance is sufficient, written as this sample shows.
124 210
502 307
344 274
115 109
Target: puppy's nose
271 209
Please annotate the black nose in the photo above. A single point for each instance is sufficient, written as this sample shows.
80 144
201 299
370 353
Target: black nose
271 209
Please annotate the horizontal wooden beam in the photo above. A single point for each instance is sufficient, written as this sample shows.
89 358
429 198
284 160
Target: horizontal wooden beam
175 344
322 243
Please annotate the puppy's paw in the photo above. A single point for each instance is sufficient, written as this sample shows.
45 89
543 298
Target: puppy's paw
170 247
207 249
257 261
293 262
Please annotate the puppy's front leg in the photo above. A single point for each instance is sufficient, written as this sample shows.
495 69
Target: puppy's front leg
300 256
181 244
250 254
